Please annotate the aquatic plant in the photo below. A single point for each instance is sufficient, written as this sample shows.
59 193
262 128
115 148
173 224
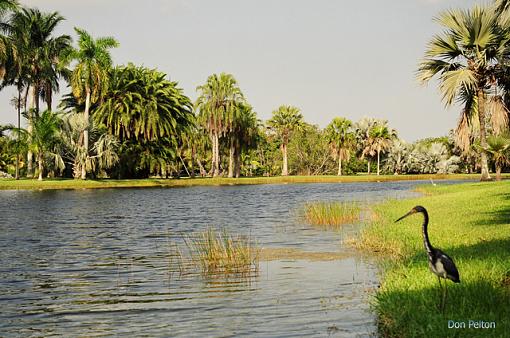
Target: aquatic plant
331 214
218 252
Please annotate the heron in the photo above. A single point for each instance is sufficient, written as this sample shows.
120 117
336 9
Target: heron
439 262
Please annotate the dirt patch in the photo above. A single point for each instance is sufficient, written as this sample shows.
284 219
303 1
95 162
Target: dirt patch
272 254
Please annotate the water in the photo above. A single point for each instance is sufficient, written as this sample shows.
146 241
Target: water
98 263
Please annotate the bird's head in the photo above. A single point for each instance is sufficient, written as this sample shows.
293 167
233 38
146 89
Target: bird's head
414 210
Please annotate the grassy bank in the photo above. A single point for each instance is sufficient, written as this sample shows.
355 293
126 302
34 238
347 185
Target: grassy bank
471 223
11 184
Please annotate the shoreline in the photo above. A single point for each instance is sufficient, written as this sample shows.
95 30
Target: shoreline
58 184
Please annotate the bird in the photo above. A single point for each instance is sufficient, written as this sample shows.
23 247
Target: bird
440 263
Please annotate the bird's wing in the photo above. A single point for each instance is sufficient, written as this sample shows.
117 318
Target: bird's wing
449 266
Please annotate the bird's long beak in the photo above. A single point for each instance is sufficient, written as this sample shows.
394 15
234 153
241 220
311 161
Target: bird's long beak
408 214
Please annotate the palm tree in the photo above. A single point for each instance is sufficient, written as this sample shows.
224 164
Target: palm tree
362 132
103 153
6 47
218 104
497 146
44 138
502 6
89 79
466 59
285 120
243 136
381 138
398 157
341 140
36 59
141 106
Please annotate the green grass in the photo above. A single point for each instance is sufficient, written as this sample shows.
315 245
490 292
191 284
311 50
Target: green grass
471 223
331 215
27 184
219 253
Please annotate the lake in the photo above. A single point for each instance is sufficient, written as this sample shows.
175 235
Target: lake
99 263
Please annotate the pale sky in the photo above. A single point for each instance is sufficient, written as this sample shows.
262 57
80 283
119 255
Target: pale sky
329 58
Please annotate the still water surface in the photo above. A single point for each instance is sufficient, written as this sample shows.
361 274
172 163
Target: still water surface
99 263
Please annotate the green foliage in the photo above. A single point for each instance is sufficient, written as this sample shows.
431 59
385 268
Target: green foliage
309 151
141 104
148 114
7 151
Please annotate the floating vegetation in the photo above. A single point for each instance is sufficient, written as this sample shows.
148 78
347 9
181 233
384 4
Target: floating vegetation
219 253
332 214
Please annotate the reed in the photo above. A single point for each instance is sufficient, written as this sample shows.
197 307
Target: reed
332 214
218 252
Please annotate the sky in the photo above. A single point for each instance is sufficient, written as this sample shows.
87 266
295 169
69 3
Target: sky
327 57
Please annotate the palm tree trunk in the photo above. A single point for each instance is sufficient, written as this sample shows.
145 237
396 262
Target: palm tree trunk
203 173
368 166
237 160
19 127
498 173
483 137
49 99
216 155
193 156
285 171
339 166
30 128
86 133
213 155
40 160
378 160
231 159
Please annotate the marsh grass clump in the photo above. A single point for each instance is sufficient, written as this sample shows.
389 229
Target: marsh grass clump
332 214
218 252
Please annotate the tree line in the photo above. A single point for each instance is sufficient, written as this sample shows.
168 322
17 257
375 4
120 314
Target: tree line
130 121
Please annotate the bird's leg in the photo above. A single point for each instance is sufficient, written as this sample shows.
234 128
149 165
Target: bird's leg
445 294
440 293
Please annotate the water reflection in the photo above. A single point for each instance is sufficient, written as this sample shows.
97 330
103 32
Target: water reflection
101 262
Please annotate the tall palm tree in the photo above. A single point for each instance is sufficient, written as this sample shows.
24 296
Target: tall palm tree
341 140
36 58
243 136
285 120
497 146
466 57
362 132
381 139
218 103
89 79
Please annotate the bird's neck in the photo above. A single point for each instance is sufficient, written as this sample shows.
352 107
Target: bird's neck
426 241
